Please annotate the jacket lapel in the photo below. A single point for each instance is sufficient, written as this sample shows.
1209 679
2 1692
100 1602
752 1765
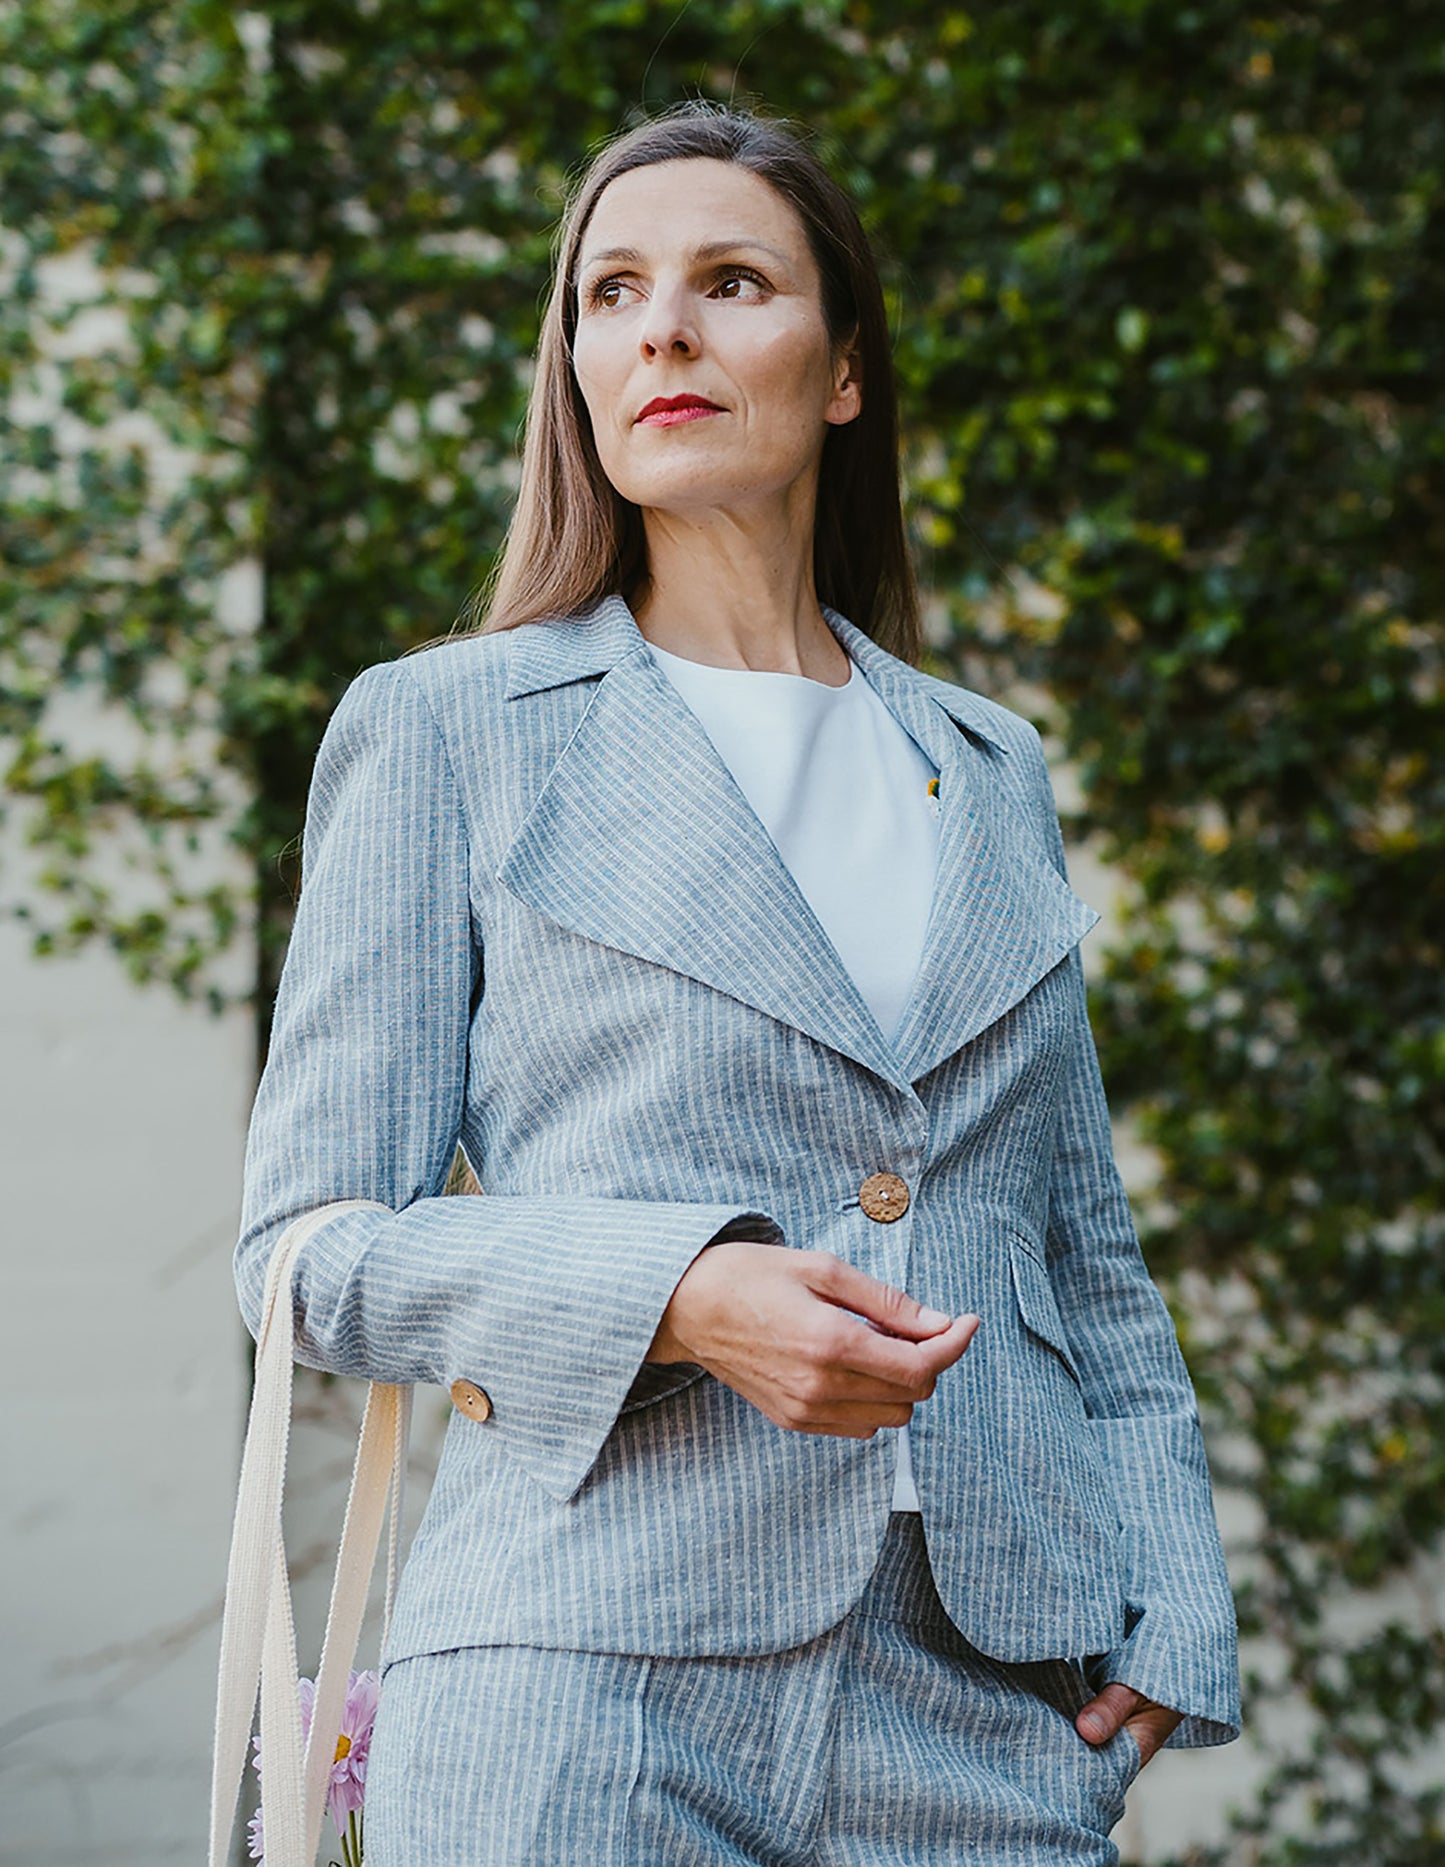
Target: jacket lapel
1002 916
640 838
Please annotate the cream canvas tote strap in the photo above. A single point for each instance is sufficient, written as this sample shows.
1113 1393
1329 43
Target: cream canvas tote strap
258 1635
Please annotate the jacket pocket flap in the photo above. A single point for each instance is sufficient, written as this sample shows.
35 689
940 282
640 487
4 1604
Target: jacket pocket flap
1037 1305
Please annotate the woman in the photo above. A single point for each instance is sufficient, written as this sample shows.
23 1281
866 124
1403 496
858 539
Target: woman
738 956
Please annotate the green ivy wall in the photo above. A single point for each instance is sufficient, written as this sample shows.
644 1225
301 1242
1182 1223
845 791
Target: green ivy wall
1168 283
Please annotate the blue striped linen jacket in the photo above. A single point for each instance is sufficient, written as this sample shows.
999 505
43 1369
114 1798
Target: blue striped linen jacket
539 918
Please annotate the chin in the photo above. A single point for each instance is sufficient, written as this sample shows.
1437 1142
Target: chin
697 489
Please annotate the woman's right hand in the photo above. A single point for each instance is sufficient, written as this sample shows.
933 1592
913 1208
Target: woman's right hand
775 1327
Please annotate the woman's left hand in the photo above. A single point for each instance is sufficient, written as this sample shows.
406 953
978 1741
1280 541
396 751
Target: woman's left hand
1118 1705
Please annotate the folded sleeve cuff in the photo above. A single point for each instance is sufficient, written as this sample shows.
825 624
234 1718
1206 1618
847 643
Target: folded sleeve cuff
1181 1647
1192 1669
549 1305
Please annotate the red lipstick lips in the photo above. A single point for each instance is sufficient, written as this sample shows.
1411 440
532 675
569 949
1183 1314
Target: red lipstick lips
669 411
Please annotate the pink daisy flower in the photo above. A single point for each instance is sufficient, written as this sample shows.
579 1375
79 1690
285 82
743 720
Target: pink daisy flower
347 1790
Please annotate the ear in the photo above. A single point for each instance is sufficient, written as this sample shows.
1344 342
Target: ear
847 399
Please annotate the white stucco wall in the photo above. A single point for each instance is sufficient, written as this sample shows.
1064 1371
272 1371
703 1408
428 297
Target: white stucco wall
123 1376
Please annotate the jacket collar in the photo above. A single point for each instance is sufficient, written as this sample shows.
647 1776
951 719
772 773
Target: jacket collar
640 838
549 654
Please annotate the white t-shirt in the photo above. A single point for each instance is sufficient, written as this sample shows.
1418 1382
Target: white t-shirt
843 791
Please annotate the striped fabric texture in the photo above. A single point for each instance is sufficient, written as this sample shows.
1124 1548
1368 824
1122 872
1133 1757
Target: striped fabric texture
886 1739
539 918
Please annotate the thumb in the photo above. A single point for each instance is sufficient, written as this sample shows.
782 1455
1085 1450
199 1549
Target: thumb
892 1311
1107 1711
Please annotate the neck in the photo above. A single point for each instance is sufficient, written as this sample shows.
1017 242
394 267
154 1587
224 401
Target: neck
735 590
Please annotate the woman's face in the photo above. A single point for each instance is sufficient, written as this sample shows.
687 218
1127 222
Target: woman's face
696 280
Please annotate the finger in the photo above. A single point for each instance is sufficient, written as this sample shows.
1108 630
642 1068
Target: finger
886 1357
871 1365
1152 1727
859 1418
1103 1716
841 1422
837 1281
942 1351
1121 1705
911 1365
841 1385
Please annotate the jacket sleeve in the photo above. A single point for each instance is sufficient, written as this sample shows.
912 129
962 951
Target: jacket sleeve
549 1303
1182 1648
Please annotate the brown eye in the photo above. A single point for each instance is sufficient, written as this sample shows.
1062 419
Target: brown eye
735 277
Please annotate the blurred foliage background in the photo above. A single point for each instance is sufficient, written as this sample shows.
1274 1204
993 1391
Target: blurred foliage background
1168 284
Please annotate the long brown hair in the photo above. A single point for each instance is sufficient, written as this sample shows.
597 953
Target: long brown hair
573 539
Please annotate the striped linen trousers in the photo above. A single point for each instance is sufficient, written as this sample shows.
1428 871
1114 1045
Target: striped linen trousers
887 1738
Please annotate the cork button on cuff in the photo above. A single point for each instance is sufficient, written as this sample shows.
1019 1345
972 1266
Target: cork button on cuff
470 1399
883 1196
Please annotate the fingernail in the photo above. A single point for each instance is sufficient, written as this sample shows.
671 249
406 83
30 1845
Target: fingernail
1092 1725
933 1319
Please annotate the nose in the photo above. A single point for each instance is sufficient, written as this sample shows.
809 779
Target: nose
668 329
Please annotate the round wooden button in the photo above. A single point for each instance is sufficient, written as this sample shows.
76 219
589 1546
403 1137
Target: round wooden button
883 1196
470 1399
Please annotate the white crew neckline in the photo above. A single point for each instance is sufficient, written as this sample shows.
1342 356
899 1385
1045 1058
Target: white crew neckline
766 674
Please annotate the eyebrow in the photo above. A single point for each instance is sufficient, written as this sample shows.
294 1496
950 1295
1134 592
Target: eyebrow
712 249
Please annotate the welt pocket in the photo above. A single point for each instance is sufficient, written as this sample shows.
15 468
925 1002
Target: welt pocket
1034 1292
1026 1242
